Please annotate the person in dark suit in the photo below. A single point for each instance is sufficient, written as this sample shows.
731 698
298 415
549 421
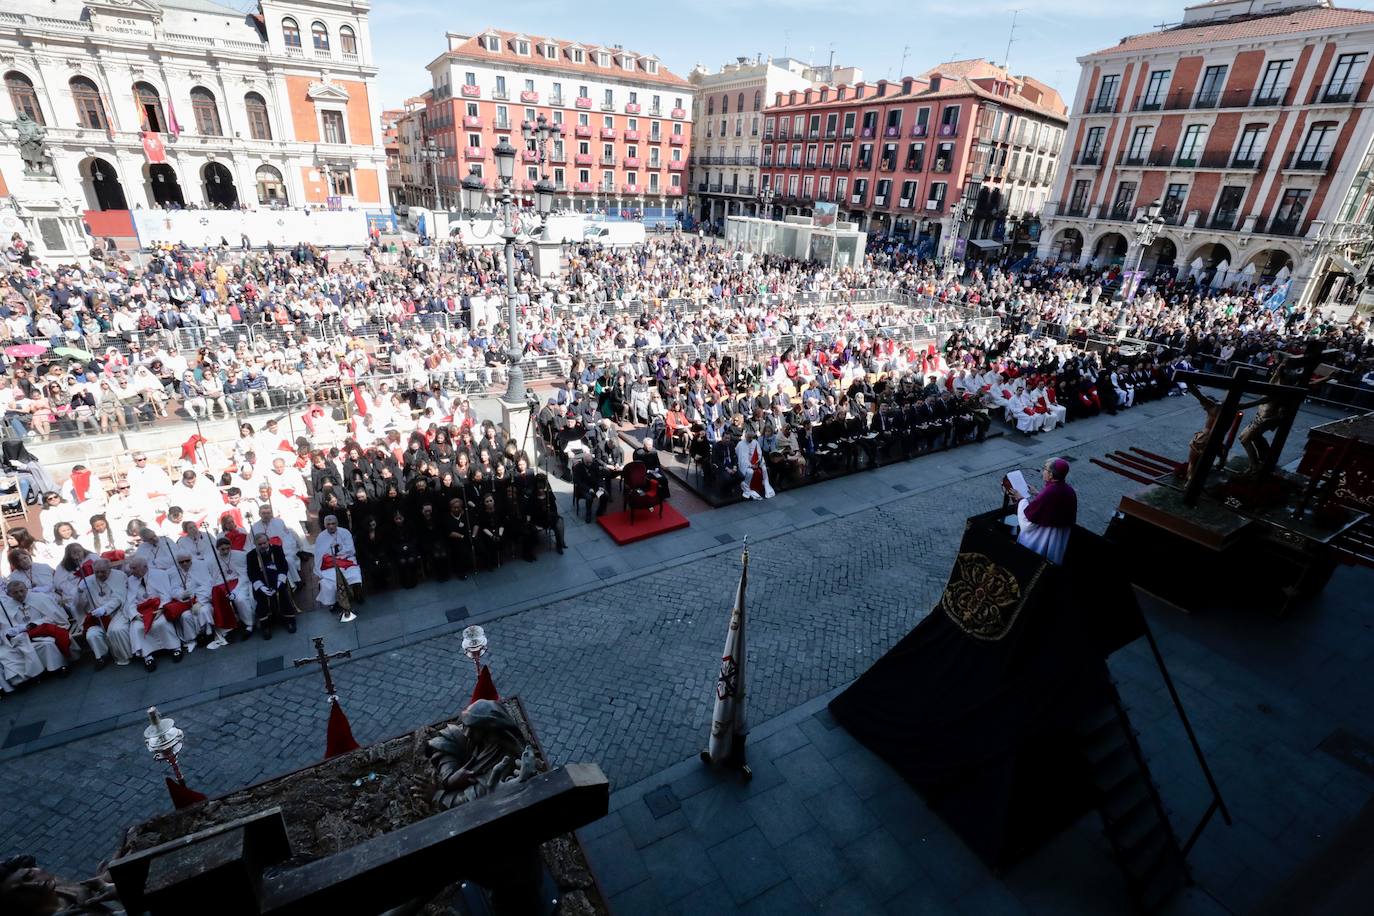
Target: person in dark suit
649 457
267 571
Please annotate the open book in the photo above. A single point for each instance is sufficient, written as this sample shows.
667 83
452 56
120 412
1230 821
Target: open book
1018 484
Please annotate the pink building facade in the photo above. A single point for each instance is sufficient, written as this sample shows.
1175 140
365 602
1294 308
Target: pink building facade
959 157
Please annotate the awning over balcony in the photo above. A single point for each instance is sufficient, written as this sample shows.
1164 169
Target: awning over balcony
986 244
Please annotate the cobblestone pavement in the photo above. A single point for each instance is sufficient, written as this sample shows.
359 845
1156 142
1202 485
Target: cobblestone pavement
621 674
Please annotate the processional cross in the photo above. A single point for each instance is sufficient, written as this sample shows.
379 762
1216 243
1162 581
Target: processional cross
1287 399
323 659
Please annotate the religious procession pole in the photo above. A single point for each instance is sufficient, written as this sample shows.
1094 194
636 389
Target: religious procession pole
729 723
339 737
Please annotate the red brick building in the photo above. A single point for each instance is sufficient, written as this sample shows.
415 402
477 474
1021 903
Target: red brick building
901 157
627 119
1248 122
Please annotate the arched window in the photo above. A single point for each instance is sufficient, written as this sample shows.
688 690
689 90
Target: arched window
319 36
290 33
259 124
22 96
711 105
206 112
271 189
739 103
348 42
90 111
149 108
758 99
725 104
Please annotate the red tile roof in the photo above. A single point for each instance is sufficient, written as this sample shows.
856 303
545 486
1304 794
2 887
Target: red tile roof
472 49
1291 21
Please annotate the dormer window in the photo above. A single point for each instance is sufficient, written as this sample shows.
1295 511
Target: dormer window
551 51
603 59
522 47
492 43
651 66
627 63
578 56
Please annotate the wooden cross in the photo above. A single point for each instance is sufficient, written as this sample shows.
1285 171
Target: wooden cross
1238 385
322 659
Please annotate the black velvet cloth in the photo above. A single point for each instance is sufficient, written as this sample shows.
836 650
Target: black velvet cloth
977 706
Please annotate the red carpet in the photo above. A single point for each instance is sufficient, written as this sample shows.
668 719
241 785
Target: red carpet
647 524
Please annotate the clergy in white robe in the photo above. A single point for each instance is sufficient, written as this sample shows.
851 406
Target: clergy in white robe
194 621
754 467
158 551
149 585
37 576
334 550
100 603
1047 519
1056 413
38 616
226 572
1021 411
18 659
279 533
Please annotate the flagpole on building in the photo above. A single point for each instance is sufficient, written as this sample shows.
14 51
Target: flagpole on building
729 723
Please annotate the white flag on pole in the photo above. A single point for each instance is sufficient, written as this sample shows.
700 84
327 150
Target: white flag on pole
728 720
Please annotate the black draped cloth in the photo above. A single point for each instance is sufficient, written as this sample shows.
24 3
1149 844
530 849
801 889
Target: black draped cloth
977 706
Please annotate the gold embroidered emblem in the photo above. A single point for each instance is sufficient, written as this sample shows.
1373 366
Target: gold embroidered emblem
981 597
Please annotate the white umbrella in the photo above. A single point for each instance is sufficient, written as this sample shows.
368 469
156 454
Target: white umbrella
729 724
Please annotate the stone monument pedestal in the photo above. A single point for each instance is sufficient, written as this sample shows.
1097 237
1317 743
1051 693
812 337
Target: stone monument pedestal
516 417
548 258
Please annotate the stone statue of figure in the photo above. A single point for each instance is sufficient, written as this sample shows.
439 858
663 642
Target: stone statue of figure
1212 407
27 890
28 139
485 753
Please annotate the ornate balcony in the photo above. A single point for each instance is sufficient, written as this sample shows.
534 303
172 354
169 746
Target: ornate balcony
677 139
582 102
608 133
677 114
584 187
866 133
918 130
582 130
474 152
631 162
632 108
676 165
673 192
892 132
529 155
472 121
949 130
470 92
655 138
582 159
529 96
631 135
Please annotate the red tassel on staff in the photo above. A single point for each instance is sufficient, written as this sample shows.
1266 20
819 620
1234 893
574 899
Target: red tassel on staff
182 797
340 737
486 687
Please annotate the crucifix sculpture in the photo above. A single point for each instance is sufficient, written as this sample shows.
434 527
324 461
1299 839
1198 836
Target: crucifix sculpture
323 659
1278 405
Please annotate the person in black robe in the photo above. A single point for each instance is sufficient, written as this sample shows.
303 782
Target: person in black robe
458 534
267 572
648 456
490 529
431 537
406 553
374 545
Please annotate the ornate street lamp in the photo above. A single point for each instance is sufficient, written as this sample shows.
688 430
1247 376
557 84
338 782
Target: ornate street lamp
516 224
432 153
1147 228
